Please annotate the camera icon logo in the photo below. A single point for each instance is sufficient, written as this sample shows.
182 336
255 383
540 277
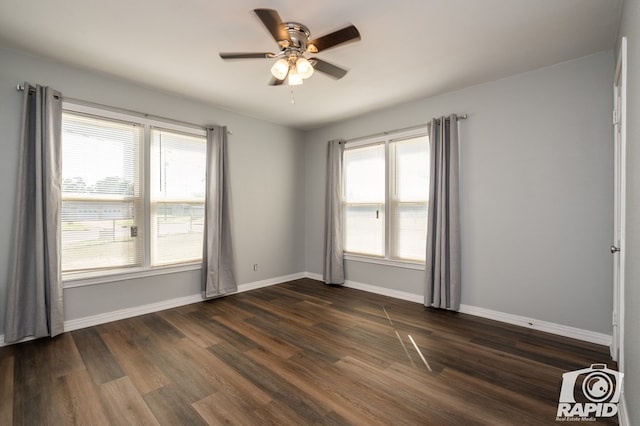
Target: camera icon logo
590 392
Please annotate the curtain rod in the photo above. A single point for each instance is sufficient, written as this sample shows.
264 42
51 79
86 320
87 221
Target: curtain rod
20 88
462 116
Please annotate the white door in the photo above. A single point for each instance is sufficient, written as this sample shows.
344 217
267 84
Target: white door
618 246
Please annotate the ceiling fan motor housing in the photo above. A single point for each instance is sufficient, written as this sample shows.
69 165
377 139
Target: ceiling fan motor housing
299 35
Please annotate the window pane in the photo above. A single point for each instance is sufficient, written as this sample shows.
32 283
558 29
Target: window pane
364 174
365 229
410 231
101 192
99 157
411 165
178 164
178 232
98 235
409 162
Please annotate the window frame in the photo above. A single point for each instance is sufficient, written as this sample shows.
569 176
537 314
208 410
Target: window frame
83 278
386 139
155 202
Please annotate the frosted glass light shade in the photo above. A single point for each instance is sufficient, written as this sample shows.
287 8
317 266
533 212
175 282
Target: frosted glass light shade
280 69
304 68
294 78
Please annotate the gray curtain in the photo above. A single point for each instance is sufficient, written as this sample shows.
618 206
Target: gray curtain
34 305
443 232
217 258
333 220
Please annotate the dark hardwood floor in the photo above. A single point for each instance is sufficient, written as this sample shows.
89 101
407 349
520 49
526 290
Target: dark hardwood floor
296 353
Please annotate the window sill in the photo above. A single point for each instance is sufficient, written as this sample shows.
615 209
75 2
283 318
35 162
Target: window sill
386 262
85 279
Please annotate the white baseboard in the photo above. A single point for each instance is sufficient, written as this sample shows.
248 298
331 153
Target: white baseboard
76 324
396 294
549 327
89 321
166 304
562 330
272 281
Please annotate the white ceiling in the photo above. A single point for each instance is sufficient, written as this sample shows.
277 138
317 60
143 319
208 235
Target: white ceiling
410 49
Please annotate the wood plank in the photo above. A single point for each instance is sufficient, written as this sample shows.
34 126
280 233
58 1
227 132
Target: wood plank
6 386
170 407
98 359
333 394
224 378
145 375
134 328
219 408
182 371
279 308
195 330
274 345
124 405
222 332
80 401
270 382
399 401
308 339
160 327
278 413
37 367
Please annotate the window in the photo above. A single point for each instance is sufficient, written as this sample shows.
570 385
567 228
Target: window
132 193
386 189
364 174
101 204
178 165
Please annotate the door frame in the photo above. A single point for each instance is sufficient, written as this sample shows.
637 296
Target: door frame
620 155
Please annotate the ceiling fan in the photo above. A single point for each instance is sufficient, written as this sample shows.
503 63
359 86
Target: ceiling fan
294 43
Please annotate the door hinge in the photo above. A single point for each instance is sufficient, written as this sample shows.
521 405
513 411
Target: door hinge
615 117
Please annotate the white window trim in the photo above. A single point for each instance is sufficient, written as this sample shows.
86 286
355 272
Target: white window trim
406 264
81 279
386 139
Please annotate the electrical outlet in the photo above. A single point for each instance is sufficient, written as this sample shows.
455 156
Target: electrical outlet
255 266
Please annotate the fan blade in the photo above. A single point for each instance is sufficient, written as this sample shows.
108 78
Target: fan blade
327 68
333 39
272 21
234 55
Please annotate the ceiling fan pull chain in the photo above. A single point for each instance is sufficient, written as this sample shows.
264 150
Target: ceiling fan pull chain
293 98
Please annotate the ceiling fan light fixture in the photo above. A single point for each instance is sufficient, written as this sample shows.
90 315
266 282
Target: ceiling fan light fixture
294 42
280 69
304 68
294 78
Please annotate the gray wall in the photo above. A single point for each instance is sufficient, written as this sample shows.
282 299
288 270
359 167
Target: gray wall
630 27
267 182
536 192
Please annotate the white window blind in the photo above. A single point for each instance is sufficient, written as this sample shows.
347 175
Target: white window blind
409 162
364 175
101 193
178 164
